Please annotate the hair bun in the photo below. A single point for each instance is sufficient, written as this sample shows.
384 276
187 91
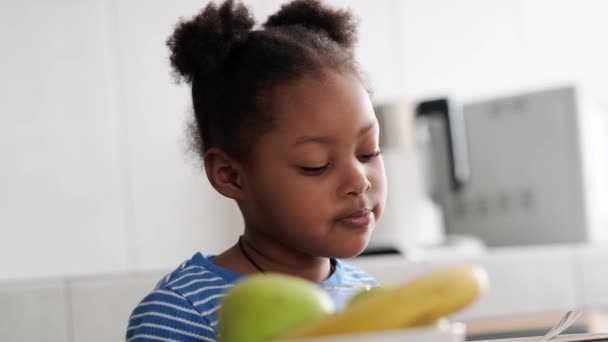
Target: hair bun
339 25
200 45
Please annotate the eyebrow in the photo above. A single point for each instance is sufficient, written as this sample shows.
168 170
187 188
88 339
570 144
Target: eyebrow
328 140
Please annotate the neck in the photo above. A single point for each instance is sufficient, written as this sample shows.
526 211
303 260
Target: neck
272 256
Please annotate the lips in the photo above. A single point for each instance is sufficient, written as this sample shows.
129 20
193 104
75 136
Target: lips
358 218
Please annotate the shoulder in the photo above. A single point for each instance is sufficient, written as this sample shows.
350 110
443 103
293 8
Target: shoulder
351 274
202 287
202 283
185 302
164 314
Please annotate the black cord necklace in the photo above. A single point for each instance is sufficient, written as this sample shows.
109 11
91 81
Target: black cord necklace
332 262
247 255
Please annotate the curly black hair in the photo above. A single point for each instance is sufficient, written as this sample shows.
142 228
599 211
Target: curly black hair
233 68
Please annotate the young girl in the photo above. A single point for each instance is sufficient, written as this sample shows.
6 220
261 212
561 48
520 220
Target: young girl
286 129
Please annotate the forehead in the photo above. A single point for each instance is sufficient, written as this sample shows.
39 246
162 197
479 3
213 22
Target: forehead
327 104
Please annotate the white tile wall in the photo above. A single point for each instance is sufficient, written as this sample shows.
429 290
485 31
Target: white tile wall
101 307
35 310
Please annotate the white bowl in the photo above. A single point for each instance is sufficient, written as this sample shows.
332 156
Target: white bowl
452 332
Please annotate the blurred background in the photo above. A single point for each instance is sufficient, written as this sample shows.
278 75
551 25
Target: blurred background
495 130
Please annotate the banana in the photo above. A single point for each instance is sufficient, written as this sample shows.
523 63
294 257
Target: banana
415 303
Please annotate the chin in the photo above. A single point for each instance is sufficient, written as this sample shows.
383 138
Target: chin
351 250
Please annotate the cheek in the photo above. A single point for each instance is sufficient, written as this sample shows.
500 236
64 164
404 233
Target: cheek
296 198
304 198
378 180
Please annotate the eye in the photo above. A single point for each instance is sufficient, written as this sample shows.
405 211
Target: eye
365 158
315 171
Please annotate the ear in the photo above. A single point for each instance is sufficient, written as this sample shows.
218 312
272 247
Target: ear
224 173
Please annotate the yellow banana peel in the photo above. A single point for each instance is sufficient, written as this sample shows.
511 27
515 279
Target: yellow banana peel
416 303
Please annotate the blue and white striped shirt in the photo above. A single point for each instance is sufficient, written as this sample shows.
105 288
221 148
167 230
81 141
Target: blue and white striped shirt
184 304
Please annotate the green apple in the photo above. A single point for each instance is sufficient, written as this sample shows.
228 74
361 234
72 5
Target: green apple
262 307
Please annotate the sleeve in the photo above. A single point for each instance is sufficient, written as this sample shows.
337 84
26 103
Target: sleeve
164 315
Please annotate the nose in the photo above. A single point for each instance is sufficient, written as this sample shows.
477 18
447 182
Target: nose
355 181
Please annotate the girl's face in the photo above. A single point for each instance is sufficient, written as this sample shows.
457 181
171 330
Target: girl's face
317 183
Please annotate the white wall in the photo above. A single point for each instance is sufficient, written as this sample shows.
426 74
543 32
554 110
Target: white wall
475 48
62 203
94 174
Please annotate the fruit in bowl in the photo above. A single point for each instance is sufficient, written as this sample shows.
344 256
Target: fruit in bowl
280 307
420 302
264 306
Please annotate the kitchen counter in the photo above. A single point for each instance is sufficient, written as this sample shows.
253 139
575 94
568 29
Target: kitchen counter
523 280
